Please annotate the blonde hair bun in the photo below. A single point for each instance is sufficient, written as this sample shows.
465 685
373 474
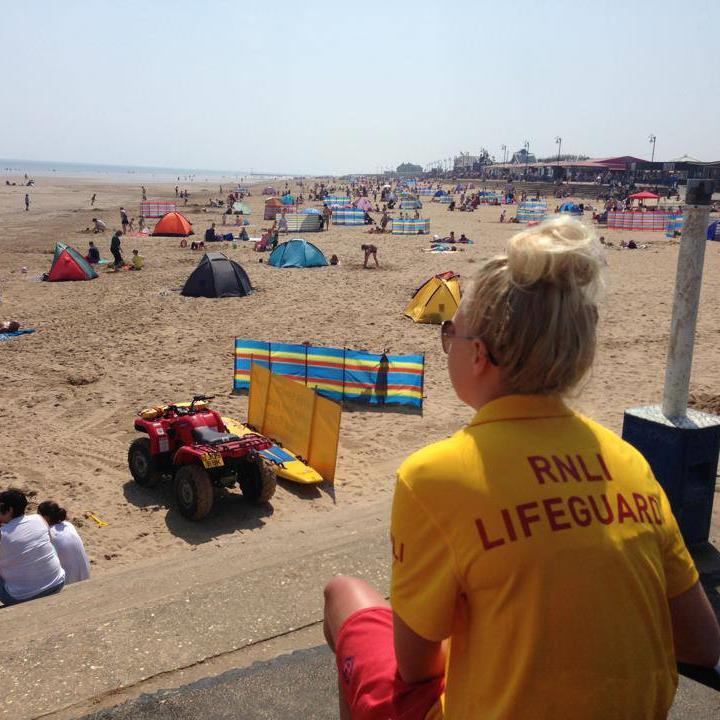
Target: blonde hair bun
561 252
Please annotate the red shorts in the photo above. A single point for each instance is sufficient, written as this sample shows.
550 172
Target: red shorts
368 673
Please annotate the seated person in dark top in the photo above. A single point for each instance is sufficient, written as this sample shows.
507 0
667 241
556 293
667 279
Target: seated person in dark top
93 254
211 235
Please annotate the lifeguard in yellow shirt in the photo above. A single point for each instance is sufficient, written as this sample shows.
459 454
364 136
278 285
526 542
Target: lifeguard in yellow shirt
537 569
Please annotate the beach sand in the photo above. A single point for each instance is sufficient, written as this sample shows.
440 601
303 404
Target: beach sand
104 349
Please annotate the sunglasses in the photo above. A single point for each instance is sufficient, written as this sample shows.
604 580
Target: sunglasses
448 334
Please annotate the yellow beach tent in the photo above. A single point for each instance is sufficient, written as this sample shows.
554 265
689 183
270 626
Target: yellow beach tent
436 300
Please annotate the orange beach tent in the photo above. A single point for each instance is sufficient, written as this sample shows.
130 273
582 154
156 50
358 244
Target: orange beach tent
173 223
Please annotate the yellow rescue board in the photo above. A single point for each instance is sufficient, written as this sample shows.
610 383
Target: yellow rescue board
286 463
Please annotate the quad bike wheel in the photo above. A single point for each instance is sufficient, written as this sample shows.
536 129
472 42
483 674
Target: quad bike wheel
142 464
193 492
257 481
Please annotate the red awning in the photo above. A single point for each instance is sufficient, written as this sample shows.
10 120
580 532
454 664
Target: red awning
644 195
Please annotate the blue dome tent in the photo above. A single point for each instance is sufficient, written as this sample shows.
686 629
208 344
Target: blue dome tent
571 208
297 253
713 231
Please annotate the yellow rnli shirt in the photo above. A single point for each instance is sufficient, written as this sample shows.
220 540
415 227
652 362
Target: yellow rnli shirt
542 545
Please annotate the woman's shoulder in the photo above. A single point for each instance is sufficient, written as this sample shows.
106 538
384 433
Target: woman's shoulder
443 458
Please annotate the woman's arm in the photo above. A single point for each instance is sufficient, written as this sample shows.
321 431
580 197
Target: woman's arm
418 659
695 628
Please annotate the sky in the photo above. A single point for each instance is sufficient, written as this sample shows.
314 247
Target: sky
321 87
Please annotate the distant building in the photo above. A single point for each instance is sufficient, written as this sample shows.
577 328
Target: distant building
465 161
409 169
523 157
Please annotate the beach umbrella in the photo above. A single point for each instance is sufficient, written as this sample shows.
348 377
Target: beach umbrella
644 195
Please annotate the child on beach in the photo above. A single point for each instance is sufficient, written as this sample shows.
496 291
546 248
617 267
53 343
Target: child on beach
137 260
370 252
537 568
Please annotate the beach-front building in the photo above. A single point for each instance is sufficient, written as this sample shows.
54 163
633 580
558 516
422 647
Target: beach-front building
620 169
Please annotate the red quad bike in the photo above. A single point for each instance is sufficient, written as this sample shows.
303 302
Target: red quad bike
191 444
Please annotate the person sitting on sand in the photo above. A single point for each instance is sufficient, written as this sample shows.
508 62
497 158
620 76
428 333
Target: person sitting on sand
334 260
211 235
183 242
99 226
9 326
370 251
29 565
463 239
243 235
137 260
67 542
200 245
93 254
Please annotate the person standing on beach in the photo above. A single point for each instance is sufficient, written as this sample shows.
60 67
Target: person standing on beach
176 191
115 249
327 214
144 192
538 571
370 252
124 219
27 202
92 200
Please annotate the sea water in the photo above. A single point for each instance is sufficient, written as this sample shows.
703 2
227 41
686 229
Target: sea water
15 170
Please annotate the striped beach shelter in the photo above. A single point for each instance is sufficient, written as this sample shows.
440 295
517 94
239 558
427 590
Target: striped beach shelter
410 226
530 210
348 216
333 201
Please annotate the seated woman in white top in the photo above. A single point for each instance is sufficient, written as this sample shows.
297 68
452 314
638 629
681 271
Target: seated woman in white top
29 565
67 542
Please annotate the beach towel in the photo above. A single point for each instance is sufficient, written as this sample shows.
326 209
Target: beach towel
17 333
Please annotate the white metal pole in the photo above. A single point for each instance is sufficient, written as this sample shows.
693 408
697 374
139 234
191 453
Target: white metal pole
685 309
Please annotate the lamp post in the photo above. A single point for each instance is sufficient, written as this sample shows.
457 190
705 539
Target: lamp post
504 152
558 141
652 140
526 145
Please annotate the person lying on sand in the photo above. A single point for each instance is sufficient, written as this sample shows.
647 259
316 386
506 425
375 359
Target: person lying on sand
197 245
9 326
